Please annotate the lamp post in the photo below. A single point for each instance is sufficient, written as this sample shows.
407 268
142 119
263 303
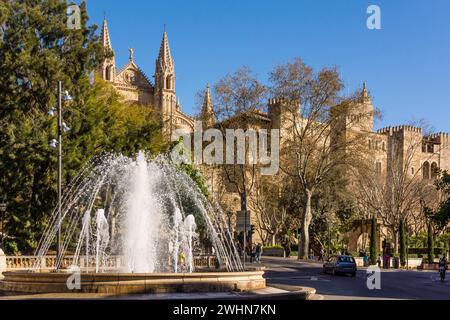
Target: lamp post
62 127
58 248
2 211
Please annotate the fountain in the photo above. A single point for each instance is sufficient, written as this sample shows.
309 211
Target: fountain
135 226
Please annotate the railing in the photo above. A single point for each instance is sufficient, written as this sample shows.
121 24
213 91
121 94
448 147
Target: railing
49 262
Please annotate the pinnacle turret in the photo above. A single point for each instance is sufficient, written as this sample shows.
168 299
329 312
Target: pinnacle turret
164 62
207 114
365 94
106 39
108 68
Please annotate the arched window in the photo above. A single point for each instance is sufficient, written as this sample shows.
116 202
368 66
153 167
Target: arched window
109 73
169 82
426 170
434 170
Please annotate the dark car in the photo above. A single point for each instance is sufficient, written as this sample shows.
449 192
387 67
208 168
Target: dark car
340 265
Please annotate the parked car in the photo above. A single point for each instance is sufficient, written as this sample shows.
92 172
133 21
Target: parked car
340 265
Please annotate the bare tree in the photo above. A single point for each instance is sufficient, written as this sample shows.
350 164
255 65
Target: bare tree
237 98
318 138
271 215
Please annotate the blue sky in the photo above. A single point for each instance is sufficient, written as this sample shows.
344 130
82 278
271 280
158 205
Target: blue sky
406 64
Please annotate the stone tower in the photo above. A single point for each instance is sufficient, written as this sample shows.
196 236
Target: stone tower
165 97
361 117
108 68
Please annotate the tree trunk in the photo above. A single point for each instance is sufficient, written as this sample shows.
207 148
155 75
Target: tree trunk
395 240
303 246
403 244
373 242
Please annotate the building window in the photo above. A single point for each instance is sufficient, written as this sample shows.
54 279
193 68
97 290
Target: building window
378 168
434 170
109 73
169 83
426 170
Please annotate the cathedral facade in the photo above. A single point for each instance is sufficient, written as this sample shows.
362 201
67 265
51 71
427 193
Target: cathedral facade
134 85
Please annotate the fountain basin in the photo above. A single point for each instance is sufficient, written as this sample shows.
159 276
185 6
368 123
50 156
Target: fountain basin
123 283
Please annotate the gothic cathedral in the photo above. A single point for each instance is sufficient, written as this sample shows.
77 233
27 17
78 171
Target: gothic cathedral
132 83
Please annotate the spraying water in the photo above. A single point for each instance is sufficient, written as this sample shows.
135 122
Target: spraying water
146 211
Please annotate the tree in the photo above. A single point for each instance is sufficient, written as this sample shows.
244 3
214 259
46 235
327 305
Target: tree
271 216
236 98
441 216
403 244
32 61
373 242
317 139
430 243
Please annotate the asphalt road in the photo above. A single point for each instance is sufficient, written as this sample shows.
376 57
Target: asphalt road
411 285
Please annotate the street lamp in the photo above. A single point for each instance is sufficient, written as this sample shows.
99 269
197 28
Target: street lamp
2 211
62 127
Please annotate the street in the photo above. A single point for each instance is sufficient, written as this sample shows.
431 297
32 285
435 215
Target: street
395 284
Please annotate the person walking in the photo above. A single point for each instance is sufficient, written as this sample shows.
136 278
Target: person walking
251 252
258 253
311 254
287 250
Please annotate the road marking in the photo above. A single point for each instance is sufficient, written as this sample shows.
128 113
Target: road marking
306 278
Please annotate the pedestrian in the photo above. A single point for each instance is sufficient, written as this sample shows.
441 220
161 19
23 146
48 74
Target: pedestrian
239 249
258 253
311 254
379 261
322 253
287 250
251 252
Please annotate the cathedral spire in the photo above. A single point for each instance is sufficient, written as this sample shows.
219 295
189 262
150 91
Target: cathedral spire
108 68
106 39
165 61
207 114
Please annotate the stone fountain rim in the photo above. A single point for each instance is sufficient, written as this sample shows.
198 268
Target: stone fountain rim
119 284
64 274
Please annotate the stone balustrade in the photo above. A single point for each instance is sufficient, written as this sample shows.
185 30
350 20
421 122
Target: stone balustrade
49 262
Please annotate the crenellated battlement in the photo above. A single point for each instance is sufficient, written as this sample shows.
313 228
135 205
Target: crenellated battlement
396 129
276 101
440 137
281 101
